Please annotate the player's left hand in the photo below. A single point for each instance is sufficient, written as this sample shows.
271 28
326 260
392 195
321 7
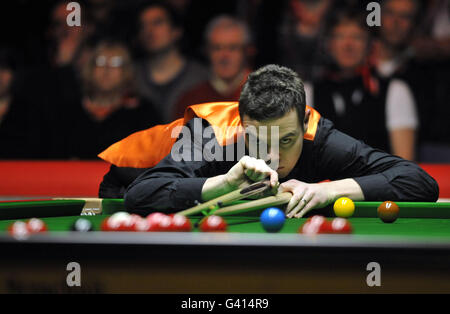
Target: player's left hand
305 197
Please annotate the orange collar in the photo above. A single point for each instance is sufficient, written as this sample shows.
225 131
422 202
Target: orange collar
145 149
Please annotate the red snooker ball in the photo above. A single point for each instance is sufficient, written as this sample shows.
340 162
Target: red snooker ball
388 211
18 229
134 219
180 223
341 225
164 224
105 226
141 225
316 225
35 225
159 222
120 221
213 223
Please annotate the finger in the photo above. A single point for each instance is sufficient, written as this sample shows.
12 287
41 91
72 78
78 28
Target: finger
261 170
274 179
261 167
248 162
299 194
293 202
307 208
287 186
250 173
297 207
301 204
250 168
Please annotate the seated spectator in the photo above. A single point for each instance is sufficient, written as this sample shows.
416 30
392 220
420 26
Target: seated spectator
109 110
301 36
228 48
396 53
165 73
380 112
66 42
391 52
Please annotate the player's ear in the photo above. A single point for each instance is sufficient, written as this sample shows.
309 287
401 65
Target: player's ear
306 119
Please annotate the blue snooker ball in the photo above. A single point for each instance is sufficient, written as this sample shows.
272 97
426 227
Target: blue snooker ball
272 219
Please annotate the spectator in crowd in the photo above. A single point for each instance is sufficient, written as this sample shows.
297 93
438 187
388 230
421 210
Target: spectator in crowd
165 73
53 87
432 41
109 110
301 35
379 111
66 42
14 128
392 51
398 53
228 47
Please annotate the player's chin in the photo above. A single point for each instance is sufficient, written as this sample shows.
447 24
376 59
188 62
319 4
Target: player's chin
282 172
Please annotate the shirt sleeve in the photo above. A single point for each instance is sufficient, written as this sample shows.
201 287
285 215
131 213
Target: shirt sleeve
400 107
380 175
175 183
116 180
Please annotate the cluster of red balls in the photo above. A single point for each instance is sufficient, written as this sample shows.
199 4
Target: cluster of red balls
21 228
158 222
320 225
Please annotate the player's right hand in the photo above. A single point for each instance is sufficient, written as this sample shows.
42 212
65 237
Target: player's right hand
249 170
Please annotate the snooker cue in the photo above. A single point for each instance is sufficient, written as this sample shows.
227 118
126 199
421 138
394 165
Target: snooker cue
279 199
250 190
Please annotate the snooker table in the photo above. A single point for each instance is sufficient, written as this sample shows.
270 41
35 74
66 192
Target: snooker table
413 253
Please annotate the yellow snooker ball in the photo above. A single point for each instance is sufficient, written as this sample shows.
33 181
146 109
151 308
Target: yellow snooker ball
344 207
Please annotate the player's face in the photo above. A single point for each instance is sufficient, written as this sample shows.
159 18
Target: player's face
397 20
290 140
348 45
309 13
227 52
108 70
157 33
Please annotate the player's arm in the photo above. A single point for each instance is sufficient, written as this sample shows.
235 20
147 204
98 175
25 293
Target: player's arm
116 180
176 182
360 172
381 176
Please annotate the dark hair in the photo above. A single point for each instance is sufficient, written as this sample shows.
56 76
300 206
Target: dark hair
172 14
271 92
347 15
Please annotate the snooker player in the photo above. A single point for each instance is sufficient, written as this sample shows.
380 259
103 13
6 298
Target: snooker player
314 161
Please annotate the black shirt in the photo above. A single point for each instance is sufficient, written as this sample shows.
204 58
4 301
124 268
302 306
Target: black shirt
175 185
354 109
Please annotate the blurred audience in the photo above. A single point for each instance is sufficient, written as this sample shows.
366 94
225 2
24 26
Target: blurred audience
392 51
165 73
70 91
14 128
301 36
380 112
66 42
395 54
432 39
109 109
228 45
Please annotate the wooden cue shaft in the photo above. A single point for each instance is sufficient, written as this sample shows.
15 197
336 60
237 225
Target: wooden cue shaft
229 197
279 199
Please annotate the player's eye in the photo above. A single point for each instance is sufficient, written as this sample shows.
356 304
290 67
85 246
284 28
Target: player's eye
285 141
